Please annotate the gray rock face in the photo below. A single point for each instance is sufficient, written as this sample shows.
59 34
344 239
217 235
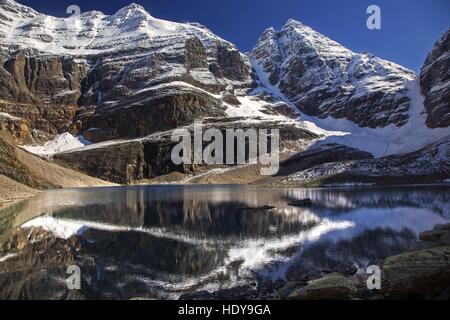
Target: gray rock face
42 90
322 78
14 127
435 83
125 163
195 54
130 161
152 111
128 97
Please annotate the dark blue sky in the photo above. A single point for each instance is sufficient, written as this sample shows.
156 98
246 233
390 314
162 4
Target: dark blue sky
409 27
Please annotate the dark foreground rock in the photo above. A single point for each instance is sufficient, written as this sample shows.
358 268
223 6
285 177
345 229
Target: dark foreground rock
301 203
422 274
333 286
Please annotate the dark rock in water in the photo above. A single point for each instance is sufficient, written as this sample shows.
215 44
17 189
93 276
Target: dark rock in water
301 203
434 235
263 208
199 295
443 227
238 293
347 269
290 287
333 286
440 235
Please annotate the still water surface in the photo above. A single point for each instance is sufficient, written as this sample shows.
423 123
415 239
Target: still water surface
170 238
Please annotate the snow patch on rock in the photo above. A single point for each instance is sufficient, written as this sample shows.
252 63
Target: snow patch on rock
7 116
61 143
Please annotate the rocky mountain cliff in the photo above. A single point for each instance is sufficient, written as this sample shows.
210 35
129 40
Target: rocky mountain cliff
131 75
435 82
120 76
323 78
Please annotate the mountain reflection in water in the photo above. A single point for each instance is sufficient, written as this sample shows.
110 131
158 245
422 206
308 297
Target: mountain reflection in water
166 239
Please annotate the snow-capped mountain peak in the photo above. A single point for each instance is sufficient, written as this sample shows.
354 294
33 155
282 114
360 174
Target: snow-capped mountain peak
90 33
14 8
132 7
130 14
323 78
129 74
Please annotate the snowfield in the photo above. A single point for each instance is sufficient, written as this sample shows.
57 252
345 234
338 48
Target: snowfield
61 143
92 32
385 141
380 142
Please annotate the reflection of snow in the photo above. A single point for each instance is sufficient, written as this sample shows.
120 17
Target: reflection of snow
60 228
7 116
258 253
8 256
346 226
337 215
66 228
395 219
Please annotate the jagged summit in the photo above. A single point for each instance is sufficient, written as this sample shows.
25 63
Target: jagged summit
16 9
141 73
91 33
293 23
131 11
133 7
323 78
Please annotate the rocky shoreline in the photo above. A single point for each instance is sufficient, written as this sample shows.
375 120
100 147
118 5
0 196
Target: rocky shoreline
12 191
421 272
